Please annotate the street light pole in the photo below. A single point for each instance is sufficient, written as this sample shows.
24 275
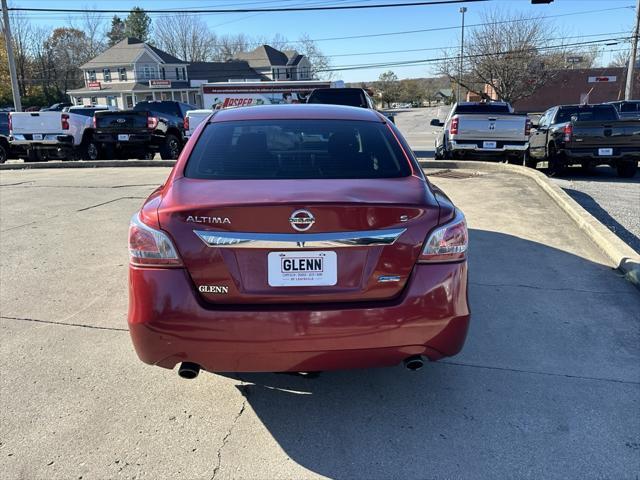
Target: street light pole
17 104
628 91
463 10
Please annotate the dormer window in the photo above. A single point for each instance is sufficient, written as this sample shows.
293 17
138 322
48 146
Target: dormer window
91 75
122 73
106 74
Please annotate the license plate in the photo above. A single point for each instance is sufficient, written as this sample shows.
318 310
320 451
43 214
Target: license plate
605 152
488 144
123 138
301 269
37 136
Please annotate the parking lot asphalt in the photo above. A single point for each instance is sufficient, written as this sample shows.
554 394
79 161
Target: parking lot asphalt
547 386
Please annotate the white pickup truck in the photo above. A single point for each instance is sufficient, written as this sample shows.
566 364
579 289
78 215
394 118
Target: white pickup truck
483 130
193 118
66 135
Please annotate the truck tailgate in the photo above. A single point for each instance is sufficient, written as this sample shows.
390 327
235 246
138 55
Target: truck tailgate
491 127
611 133
23 123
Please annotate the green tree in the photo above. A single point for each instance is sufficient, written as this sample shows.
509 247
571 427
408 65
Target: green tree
138 24
388 87
117 30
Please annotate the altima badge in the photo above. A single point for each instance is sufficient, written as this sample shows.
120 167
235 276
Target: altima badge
197 219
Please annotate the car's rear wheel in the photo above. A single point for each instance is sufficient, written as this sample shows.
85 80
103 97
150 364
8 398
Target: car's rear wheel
627 169
556 164
90 150
3 153
529 161
170 149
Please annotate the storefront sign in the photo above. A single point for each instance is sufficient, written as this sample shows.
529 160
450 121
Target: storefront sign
160 83
94 85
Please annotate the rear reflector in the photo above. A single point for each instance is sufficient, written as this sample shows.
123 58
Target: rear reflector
527 128
568 132
150 247
447 243
64 120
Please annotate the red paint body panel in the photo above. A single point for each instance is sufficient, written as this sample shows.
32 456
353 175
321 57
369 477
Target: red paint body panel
169 325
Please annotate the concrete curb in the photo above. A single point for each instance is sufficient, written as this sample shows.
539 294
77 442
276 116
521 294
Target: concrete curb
88 164
621 254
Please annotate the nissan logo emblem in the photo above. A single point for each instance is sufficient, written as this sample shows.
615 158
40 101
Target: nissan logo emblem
302 220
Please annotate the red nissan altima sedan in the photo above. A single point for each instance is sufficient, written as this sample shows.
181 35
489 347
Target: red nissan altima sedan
297 238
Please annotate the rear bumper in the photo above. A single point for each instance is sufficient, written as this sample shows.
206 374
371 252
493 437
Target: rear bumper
592 153
169 324
476 147
135 139
47 142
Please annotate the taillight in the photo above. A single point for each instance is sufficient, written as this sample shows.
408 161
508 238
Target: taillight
10 123
453 128
64 120
95 122
152 122
568 132
527 128
447 243
149 247
186 123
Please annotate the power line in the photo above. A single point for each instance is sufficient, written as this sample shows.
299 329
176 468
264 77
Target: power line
254 10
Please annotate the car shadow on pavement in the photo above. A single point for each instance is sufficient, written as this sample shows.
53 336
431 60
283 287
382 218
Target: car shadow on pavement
593 207
512 404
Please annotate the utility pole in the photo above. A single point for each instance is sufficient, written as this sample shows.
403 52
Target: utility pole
628 91
463 10
17 104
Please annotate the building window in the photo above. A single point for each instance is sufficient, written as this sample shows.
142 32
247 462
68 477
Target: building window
106 74
178 74
94 100
163 75
122 73
184 73
111 101
129 101
92 75
148 72
78 100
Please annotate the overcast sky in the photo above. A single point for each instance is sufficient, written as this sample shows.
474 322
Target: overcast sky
567 18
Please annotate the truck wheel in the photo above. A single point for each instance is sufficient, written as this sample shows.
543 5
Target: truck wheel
3 153
556 164
170 149
627 169
33 156
530 162
90 150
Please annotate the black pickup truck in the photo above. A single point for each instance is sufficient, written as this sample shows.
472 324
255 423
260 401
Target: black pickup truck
150 127
585 135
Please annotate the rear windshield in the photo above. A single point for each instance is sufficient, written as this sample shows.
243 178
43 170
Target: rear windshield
121 120
629 107
482 108
585 113
338 96
168 108
87 112
296 149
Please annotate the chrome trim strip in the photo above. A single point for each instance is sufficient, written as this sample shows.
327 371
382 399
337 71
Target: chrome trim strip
370 238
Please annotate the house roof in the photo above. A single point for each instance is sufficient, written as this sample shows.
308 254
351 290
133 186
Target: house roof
264 56
125 52
223 71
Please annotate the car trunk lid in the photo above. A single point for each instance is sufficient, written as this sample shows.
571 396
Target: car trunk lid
237 240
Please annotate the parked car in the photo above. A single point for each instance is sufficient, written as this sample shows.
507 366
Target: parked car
297 238
587 135
193 119
5 147
352 97
150 127
56 135
56 107
627 108
483 130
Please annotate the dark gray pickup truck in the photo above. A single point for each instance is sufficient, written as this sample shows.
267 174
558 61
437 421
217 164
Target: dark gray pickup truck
586 135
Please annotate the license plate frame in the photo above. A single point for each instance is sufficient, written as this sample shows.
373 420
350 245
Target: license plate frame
489 144
302 269
123 137
38 136
605 152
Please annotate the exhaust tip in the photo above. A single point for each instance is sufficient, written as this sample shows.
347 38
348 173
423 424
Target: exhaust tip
189 370
413 363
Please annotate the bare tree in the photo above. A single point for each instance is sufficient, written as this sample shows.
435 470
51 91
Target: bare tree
185 36
320 63
620 59
93 26
228 46
510 54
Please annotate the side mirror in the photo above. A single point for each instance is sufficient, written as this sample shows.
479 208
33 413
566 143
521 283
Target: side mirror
436 123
